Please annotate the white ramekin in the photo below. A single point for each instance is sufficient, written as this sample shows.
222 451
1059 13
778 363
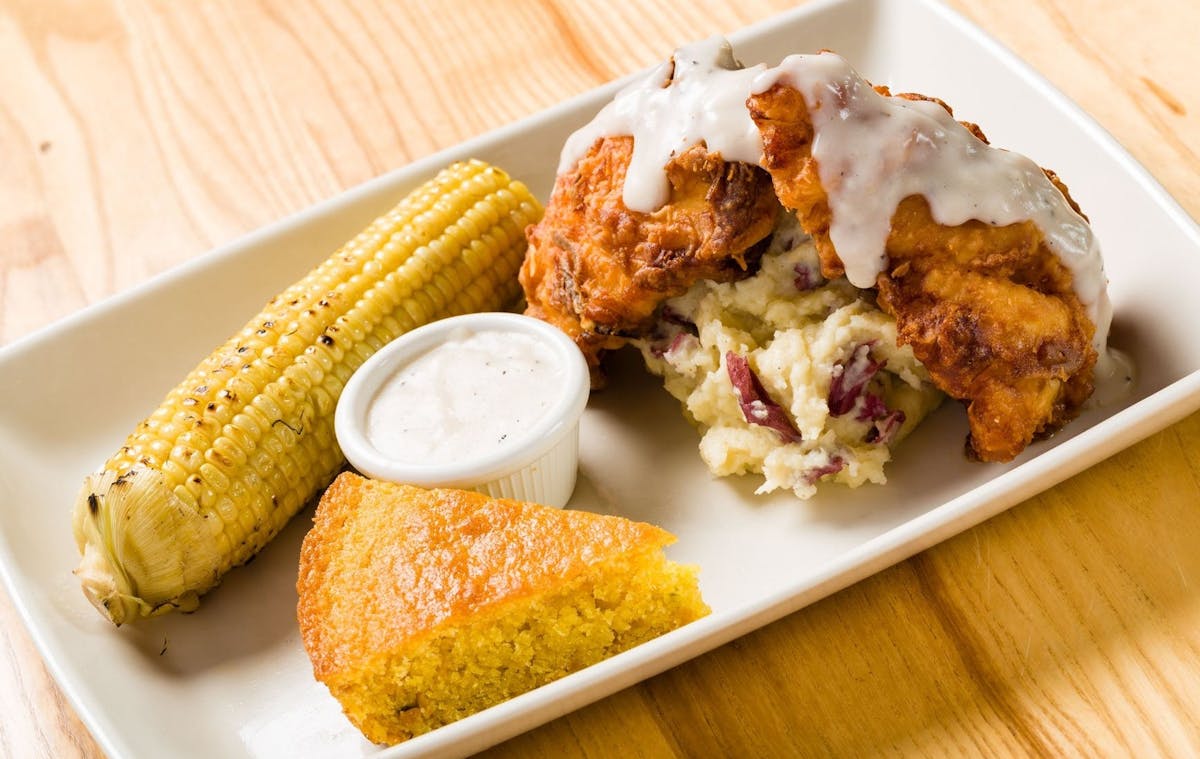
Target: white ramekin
541 469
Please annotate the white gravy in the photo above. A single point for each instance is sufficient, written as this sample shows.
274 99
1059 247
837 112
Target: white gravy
871 152
1114 378
475 394
704 102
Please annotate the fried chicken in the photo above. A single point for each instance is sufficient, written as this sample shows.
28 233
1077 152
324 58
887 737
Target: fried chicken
599 271
984 261
989 310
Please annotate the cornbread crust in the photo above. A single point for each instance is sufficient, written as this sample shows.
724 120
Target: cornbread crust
418 607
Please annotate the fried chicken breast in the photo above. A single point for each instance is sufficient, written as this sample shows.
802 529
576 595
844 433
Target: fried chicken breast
990 270
990 311
599 271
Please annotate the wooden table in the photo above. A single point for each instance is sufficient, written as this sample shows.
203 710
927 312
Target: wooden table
137 134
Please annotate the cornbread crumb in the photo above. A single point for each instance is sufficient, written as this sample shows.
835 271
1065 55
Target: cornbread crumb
420 607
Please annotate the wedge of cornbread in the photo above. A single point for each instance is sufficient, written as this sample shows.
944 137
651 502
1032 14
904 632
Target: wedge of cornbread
420 607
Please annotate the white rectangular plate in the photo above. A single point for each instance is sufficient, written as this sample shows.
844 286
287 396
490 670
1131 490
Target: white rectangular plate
232 679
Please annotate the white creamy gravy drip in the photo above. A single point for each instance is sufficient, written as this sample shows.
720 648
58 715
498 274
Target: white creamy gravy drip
705 102
872 152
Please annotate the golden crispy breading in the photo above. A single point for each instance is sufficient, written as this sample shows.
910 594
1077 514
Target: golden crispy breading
990 311
599 271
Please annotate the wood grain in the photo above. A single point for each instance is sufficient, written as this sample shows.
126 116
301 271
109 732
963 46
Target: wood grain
137 134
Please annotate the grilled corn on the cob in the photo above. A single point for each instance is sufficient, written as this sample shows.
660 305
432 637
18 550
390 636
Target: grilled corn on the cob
247 438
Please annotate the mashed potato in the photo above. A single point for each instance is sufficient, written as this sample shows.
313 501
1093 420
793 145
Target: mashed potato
790 375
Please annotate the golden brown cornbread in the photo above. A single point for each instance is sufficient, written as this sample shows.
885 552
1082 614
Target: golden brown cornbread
419 607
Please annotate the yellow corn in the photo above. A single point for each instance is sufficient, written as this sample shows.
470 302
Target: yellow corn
247 439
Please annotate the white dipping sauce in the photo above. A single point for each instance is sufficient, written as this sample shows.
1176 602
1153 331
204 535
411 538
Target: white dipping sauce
476 394
871 152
